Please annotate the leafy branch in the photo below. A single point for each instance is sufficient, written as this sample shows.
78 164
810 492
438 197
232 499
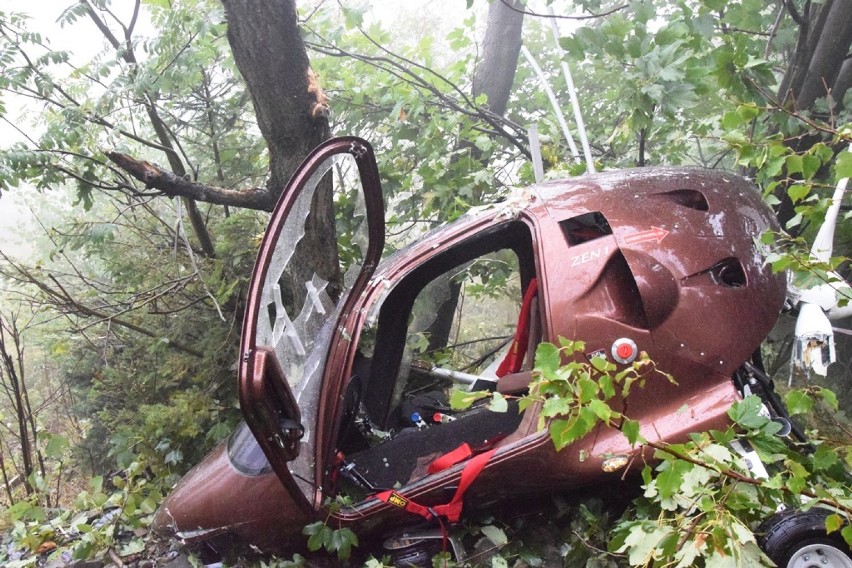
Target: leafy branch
321 536
701 500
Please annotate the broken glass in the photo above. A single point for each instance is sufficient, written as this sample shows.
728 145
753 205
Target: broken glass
298 307
293 313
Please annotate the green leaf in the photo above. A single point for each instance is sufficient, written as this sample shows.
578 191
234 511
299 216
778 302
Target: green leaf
797 192
719 453
601 410
461 400
746 412
84 196
688 553
833 523
83 551
498 403
630 429
19 510
829 398
312 528
843 166
798 402
341 541
570 346
731 120
794 164
547 359
602 364
794 222
496 535
748 112
607 387
810 165
824 457
772 169
96 484
56 446
574 46
354 17
642 541
588 390
669 480
135 546
564 432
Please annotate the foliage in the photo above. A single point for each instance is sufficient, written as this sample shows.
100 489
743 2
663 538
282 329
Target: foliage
700 502
111 516
559 532
143 395
321 536
413 113
153 316
575 395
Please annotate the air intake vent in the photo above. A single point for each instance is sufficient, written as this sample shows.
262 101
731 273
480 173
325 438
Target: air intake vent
616 295
585 228
687 198
729 272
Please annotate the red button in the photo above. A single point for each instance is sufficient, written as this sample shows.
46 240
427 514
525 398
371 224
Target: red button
625 351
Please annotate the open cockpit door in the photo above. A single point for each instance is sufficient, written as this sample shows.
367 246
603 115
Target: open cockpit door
303 281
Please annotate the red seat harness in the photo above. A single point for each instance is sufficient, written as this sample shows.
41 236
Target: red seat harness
515 357
452 510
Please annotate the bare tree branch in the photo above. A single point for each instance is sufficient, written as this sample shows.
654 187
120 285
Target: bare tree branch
591 16
794 13
64 300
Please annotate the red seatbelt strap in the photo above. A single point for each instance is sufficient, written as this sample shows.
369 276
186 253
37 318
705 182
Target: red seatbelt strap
515 357
397 500
452 510
471 471
450 459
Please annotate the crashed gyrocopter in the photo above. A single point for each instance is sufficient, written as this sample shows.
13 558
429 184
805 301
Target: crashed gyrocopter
337 395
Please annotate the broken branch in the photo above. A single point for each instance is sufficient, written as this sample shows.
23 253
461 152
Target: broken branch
153 176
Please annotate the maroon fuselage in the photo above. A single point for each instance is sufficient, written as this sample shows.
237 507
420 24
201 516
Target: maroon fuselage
675 268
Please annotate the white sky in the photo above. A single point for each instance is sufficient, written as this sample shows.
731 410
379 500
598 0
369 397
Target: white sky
83 41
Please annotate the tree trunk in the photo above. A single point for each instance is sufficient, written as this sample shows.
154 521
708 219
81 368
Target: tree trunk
818 65
269 53
493 77
843 83
6 485
501 46
12 368
825 36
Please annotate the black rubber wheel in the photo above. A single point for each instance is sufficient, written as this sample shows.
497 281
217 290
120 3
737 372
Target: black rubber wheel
797 539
